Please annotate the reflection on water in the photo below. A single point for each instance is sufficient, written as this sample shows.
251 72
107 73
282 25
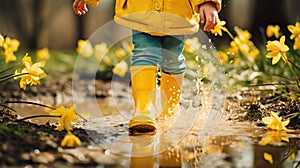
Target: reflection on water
231 145
223 151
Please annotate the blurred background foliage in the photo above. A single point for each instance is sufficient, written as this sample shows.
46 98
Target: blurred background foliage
52 24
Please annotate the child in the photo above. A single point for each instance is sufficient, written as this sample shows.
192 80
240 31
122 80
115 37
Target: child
158 32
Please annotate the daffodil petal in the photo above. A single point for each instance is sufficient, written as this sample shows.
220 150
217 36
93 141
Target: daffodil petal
268 157
286 122
267 120
266 140
276 59
286 139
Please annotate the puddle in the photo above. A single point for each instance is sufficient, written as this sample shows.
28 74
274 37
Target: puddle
230 145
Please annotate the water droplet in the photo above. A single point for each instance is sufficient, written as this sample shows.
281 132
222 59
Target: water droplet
36 151
107 152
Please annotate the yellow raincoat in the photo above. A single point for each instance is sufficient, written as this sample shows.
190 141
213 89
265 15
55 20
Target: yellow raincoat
160 17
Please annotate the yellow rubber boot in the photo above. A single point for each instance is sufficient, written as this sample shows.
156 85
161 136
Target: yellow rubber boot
143 80
171 87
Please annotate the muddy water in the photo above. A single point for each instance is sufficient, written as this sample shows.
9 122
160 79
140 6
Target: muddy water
230 144
181 143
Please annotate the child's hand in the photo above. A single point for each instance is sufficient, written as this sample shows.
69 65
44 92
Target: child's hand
208 15
79 7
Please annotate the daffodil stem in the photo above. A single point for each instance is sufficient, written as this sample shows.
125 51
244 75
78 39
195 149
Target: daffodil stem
26 102
5 106
36 116
273 84
294 65
290 116
9 68
37 104
7 77
228 32
295 74
81 117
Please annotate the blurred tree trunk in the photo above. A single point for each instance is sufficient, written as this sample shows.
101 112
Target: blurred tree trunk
26 17
268 12
29 21
257 14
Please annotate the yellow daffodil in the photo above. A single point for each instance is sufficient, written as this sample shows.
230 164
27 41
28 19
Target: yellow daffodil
233 50
32 73
223 57
130 49
11 43
120 53
121 69
296 45
93 3
191 45
66 117
274 122
107 60
277 50
254 53
85 48
242 44
273 31
10 46
9 55
100 50
274 136
295 30
218 28
236 62
43 54
71 141
268 157
26 60
242 35
244 48
1 40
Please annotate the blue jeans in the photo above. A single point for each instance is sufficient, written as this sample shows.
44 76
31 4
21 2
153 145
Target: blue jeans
162 51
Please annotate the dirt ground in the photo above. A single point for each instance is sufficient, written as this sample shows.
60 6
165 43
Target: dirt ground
26 143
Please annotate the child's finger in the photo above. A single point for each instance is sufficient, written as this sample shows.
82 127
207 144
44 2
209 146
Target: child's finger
202 16
81 4
211 22
85 8
75 6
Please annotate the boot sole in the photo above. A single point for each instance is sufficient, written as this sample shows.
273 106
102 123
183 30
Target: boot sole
142 128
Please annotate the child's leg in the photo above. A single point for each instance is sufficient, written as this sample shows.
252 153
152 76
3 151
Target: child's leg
143 79
172 61
172 74
146 49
